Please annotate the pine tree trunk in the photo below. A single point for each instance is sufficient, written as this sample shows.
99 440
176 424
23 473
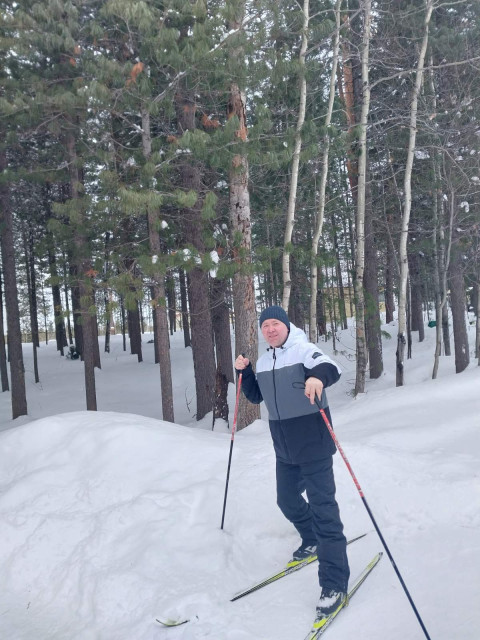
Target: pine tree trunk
223 348
60 335
124 323
162 343
197 279
458 303
370 282
106 300
134 333
246 324
416 295
127 240
32 304
67 305
76 312
94 328
184 307
84 279
442 257
389 279
171 303
202 341
15 354
244 307
3 351
155 330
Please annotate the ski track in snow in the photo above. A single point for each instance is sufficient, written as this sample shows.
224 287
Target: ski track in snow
111 519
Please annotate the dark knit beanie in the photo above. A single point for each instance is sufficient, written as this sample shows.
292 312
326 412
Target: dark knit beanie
274 312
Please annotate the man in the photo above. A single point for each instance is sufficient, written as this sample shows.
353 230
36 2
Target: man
291 378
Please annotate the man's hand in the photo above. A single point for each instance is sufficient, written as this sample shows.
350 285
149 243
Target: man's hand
241 363
313 387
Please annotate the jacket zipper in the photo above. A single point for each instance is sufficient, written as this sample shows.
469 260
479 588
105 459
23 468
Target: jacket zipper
274 385
285 447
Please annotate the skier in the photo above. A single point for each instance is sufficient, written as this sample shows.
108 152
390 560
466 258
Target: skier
290 376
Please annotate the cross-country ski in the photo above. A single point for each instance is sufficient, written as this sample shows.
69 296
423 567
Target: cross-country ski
290 568
321 624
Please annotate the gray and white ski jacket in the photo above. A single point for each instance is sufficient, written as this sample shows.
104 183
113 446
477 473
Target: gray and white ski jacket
298 431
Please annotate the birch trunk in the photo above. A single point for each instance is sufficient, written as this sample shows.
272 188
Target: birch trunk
292 198
159 310
323 182
408 201
361 345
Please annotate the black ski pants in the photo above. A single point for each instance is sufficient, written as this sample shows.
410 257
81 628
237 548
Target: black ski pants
318 520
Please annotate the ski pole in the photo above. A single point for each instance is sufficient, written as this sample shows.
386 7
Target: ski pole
345 459
231 446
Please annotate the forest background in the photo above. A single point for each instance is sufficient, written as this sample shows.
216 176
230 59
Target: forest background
182 163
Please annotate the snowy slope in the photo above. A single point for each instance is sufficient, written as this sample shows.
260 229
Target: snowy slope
108 520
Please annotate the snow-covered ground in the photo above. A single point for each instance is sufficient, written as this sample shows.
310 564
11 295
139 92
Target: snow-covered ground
110 519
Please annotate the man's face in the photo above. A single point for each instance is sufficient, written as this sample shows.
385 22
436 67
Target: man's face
274 332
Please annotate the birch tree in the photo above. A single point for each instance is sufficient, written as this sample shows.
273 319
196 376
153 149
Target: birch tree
402 298
361 345
323 179
292 198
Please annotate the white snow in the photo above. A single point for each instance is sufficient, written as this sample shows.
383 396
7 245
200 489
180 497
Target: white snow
110 519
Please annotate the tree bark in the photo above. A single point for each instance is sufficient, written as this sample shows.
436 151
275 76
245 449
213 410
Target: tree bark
161 338
31 291
184 306
223 348
60 335
67 306
246 324
197 278
15 353
171 303
416 287
389 279
458 303
106 294
83 274
372 306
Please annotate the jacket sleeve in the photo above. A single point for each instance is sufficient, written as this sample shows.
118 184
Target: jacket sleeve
321 366
250 386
